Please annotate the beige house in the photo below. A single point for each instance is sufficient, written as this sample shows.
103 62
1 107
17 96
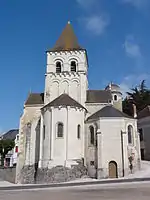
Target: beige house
144 131
69 131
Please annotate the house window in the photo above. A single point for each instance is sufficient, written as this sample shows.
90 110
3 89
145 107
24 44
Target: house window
79 132
115 97
58 67
43 132
60 128
92 135
16 149
17 137
130 134
141 134
73 66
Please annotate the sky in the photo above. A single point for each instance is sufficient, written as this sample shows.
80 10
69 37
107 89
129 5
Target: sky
114 32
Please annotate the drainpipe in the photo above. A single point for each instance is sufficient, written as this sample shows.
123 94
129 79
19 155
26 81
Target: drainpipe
122 151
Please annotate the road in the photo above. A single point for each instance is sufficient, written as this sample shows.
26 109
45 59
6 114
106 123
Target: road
134 191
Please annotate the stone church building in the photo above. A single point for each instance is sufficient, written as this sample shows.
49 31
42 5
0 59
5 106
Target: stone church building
70 131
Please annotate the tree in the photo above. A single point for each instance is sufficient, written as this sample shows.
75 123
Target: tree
5 146
139 95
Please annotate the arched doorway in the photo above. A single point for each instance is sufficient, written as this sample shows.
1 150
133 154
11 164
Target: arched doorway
113 170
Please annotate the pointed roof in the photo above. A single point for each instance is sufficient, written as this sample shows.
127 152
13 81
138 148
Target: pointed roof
110 112
67 40
35 98
64 100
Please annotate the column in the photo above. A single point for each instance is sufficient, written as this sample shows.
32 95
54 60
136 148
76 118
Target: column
99 157
41 142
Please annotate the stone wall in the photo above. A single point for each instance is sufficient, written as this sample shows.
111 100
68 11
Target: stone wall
30 175
8 174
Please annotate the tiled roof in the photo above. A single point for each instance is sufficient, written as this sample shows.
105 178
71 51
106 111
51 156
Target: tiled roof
64 100
144 113
35 98
98 96
11 135
67 40
110 112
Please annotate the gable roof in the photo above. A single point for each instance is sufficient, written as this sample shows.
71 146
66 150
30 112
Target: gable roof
98 96
35 98
11 134
110 112
64 100
144 113
67 40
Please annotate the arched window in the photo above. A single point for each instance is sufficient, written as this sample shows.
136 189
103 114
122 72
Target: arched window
73 66
130 134
58 67
60 130
92 135
115 97
78 131
43 132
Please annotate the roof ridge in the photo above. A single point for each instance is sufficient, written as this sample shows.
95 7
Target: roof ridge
60 100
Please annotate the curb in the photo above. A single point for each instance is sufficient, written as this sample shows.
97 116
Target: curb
57 185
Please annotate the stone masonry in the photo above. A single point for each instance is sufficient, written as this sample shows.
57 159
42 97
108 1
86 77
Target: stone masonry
30 175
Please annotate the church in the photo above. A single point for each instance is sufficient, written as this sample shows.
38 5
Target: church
70 131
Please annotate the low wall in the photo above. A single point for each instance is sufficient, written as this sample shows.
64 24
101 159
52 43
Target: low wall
30 175
8 174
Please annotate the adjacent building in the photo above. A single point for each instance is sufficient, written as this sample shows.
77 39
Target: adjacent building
144 131
11 157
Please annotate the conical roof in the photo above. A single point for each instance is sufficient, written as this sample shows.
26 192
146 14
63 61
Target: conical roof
67 40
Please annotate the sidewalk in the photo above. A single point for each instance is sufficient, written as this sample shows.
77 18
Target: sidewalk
71 184
140 176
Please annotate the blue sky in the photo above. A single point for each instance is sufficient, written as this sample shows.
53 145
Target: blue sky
114 32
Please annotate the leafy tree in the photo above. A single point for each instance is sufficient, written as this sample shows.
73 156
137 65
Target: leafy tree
5 146
139 95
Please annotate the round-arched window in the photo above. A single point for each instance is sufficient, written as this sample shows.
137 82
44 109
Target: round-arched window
115 97
92 138
73 66
58 67
130 134
60 128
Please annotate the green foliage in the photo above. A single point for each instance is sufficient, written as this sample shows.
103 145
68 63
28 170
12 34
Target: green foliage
139 95
6 146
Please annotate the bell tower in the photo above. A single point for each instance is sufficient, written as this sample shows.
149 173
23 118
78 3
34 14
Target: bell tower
66 68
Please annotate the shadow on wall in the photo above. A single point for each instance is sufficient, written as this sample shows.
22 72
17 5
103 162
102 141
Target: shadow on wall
8 174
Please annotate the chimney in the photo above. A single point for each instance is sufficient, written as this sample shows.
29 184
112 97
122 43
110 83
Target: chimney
134 111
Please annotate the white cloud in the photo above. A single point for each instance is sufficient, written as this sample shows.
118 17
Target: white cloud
96 24
133 80
86 3
139 4
132 49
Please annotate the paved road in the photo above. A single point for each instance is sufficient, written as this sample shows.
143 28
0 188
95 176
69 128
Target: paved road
139 191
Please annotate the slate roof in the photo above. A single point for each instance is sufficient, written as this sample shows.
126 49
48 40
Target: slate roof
93 96
67 40
11 134
98 96
35 98
144 113
64 100
110 112
113 85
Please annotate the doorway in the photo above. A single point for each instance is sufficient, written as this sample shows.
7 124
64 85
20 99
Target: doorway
113 170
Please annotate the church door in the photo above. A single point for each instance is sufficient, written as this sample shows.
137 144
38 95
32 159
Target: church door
113 170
